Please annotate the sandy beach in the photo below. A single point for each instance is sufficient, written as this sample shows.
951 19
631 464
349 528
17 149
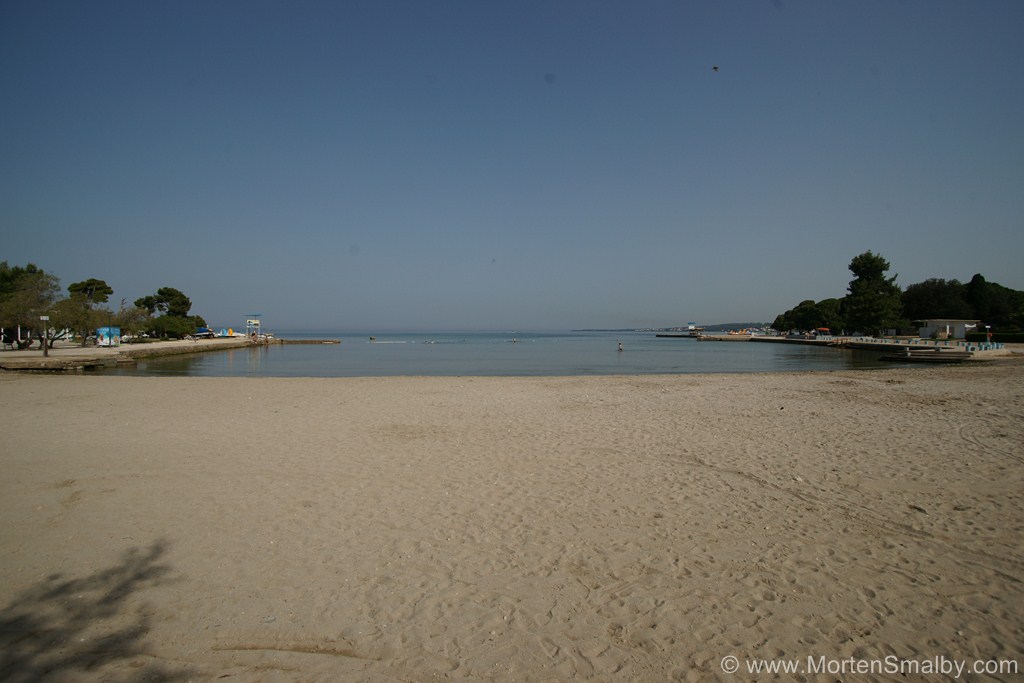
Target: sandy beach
641 528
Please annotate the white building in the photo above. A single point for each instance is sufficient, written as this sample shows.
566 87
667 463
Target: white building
945 329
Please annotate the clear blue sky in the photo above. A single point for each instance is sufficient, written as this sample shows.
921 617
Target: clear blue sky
388 165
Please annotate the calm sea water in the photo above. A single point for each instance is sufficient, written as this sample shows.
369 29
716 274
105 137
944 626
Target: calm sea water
502 354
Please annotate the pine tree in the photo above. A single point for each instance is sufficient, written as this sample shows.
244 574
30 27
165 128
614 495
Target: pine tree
873 302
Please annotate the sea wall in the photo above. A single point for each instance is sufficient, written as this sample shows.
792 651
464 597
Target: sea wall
176 348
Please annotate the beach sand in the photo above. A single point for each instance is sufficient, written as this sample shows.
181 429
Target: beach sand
510 529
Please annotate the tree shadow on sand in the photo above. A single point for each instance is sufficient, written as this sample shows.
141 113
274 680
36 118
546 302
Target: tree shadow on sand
74 628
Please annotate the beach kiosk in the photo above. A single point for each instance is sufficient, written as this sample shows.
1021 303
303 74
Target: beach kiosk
108 336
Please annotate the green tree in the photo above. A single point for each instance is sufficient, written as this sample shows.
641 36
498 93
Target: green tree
831 314
872 303
979 297
92 290
803 316
78 310
936 298
808 315
175 321
994 304
133 319
25 294
783 323
172 326
167 300
73 314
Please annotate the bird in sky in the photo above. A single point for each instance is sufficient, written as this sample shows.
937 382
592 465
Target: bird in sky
714 68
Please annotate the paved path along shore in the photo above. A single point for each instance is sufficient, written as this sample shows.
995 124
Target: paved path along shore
77 358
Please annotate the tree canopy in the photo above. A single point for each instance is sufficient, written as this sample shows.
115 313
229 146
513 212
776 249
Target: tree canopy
808 315
78 310
874 302
168 300
997 305
26 293
175 321
92 290
936 298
